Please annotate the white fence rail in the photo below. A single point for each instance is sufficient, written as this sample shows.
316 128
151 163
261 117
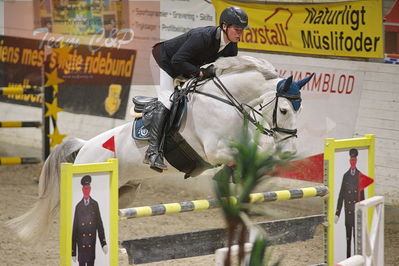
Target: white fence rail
221 254
356 260
370 244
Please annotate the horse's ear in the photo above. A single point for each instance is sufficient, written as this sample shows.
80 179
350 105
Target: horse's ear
287 83
284 84
303 82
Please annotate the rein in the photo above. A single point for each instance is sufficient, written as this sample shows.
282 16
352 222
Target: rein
240 107
232 101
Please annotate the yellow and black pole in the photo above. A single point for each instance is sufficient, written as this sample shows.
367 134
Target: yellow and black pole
19 90
18 160
13 124
199 205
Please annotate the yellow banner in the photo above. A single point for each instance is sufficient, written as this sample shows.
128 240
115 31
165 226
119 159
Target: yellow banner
338 29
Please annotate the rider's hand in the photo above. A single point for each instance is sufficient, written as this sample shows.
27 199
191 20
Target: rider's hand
208 72
74 258
105 249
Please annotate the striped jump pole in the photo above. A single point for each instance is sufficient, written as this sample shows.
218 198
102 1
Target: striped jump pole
12 124
44 124
18 160
199 205
20 90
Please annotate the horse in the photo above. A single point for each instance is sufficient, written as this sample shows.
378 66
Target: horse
253 88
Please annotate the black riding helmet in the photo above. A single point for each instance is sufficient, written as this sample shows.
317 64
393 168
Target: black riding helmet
235 16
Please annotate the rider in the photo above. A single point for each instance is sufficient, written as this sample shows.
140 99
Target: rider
183 56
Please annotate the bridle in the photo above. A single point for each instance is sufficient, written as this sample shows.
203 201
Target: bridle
251 115
290 132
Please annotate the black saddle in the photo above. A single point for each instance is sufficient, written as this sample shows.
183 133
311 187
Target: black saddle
177 113
140 101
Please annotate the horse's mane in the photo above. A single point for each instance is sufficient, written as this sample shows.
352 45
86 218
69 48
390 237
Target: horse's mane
244 63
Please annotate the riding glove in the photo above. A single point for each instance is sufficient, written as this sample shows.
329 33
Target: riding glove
208 72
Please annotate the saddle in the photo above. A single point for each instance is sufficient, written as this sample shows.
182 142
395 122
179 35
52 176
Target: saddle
177 151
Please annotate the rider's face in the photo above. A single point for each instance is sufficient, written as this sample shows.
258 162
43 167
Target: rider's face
233 33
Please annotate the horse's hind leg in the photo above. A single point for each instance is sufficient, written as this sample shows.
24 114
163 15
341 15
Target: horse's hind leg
127 193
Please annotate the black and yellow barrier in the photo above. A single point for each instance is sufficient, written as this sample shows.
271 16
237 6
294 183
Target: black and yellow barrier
199 205
18 160
19 90
44 124
12 124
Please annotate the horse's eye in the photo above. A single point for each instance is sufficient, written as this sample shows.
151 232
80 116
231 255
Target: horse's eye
283 111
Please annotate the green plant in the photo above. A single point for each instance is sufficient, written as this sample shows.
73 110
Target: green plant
252 166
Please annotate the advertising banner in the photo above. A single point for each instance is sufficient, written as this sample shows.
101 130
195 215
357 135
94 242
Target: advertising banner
177 17
21 62
86 79
91 80
351 28
109 24
79 17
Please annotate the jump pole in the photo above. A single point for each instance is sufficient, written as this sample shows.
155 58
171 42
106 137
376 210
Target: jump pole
199 205
20 90
44 124
205 242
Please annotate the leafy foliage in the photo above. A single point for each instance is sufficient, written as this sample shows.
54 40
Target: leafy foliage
252 166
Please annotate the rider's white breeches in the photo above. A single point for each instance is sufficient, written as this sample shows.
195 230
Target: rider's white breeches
166 87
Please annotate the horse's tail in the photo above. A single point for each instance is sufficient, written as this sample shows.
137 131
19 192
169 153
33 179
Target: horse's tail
34 225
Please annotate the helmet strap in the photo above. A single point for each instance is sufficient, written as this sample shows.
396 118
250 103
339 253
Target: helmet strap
225 32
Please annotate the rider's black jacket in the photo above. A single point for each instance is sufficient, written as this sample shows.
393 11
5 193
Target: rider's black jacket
184 54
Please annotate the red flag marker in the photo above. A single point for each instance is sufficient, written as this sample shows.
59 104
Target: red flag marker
308 169
364 181
110 144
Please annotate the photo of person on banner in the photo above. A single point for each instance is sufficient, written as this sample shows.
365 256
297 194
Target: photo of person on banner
352 191
87 223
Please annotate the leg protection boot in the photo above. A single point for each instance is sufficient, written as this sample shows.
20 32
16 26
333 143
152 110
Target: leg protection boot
154 153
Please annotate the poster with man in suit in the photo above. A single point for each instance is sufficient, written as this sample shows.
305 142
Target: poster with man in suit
87 224
351 191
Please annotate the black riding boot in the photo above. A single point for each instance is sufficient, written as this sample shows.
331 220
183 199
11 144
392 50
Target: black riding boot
154 153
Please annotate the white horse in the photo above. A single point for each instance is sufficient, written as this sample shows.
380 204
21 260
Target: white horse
209 128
